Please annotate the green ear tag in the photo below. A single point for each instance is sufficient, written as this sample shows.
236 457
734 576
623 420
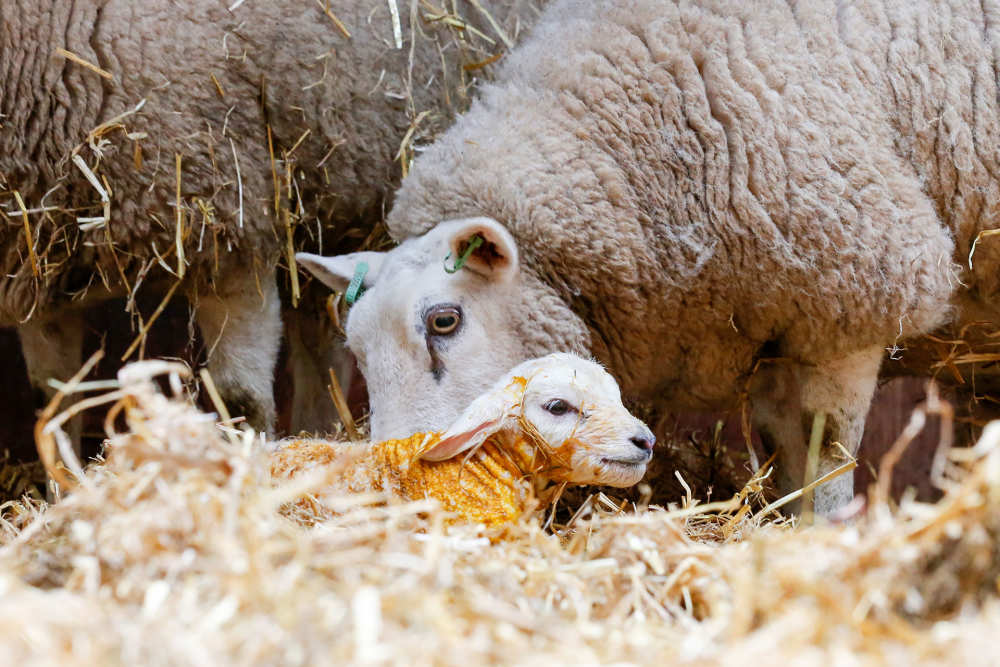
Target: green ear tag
474 243
355 290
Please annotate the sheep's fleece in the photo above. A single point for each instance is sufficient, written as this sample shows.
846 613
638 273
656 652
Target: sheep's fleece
248 94
710 196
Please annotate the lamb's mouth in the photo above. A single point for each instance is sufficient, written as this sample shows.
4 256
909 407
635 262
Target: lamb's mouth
629 464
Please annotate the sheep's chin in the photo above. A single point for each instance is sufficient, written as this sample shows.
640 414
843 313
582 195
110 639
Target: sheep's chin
610 472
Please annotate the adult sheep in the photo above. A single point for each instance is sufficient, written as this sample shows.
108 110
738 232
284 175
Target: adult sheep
158 145
687 189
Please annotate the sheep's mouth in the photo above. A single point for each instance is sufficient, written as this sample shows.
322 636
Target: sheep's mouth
620 472
629 464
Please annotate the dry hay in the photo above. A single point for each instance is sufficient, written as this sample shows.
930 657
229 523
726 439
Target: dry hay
20 478
176 551
964 359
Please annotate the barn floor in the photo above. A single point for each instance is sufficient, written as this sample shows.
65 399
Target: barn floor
178 551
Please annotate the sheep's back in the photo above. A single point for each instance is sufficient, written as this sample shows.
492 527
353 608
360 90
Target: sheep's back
488 486
270 107
697 180
933 66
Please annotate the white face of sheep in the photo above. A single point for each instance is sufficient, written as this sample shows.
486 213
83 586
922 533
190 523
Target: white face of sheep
428 341
575 406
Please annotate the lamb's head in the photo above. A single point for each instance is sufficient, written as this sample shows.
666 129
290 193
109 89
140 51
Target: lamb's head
567 407
430 339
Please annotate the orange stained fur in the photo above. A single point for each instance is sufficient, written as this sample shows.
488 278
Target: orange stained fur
492 485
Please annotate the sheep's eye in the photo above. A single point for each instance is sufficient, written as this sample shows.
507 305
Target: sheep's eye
444 320
558 407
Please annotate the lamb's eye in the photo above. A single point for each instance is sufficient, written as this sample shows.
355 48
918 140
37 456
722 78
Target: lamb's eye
443 320
558 407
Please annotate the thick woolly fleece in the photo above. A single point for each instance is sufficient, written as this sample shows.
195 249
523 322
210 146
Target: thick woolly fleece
280 64
252 98
699 184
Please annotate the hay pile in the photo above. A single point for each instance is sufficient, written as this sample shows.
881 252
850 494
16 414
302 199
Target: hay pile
176 551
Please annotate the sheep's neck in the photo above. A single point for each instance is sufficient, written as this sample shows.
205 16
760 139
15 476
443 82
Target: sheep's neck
491 485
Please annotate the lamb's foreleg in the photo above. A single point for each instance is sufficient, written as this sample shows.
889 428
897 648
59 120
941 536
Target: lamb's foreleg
53 349
786 399
240 321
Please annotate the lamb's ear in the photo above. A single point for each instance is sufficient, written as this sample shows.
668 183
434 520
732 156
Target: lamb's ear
485 416
495 258
336 272
455 442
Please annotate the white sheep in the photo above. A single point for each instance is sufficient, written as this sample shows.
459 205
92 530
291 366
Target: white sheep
708 196
559 418
258 115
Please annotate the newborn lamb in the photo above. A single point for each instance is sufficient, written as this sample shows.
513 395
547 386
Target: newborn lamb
558 418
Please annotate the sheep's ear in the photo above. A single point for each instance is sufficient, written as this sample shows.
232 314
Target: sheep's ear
495 258
336 272
454 442
486 415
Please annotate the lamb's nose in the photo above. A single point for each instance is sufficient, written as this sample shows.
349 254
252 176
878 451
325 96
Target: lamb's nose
644 439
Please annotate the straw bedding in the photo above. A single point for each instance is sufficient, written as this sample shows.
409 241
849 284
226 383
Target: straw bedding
177 550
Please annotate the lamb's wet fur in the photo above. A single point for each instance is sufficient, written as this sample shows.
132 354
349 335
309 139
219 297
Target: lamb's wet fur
695 186
486 465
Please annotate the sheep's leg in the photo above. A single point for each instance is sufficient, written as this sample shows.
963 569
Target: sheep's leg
777 416
312 353
53 349
786 398
240 321
841 389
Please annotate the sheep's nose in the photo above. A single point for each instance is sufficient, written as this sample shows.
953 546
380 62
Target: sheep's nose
644 439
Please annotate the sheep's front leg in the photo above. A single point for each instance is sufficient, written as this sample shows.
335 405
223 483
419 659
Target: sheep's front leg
53 349
313 351
786 399
841 389
240 321
775 397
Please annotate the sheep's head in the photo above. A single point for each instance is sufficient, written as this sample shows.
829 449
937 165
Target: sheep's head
429 340
567 407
